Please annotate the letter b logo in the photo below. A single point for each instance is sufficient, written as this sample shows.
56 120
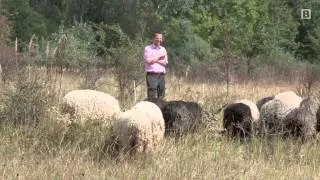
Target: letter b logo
305 13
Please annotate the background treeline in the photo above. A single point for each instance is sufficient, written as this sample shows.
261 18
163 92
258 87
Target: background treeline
81 33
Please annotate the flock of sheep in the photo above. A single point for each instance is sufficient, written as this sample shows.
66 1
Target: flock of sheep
141 128
285 114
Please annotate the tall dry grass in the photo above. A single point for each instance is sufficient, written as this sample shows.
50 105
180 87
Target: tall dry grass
55 152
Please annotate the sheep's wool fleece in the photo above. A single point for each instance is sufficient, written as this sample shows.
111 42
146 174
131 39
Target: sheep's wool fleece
289 98
253 107
272 115
142 125
305 116
274 109
281 105
91 103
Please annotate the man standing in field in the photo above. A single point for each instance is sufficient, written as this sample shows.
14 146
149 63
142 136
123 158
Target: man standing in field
155 62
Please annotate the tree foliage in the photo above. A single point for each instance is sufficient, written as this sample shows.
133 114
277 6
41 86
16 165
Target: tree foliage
194 30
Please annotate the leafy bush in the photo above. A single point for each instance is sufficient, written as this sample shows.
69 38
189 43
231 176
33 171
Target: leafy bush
75 47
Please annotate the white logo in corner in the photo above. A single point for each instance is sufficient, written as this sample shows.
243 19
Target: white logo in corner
305 13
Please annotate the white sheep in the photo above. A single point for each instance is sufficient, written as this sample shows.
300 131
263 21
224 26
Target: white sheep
90 104
273 112
139 129
289 98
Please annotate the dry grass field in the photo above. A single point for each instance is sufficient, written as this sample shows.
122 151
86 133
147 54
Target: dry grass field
52 151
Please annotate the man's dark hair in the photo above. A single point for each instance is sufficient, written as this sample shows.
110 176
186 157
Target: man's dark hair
154 35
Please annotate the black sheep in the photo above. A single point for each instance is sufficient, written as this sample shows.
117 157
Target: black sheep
237 120
180 116
264 100
159 102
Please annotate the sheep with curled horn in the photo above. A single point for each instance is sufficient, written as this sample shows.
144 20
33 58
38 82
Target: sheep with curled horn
239 118
273 112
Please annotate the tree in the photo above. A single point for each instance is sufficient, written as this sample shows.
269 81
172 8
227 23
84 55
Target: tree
26 21
253 27
184 45
124 56
308 38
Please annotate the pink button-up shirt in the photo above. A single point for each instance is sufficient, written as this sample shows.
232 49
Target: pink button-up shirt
152 52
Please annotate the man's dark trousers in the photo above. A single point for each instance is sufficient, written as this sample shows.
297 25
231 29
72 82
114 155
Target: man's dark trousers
155 85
